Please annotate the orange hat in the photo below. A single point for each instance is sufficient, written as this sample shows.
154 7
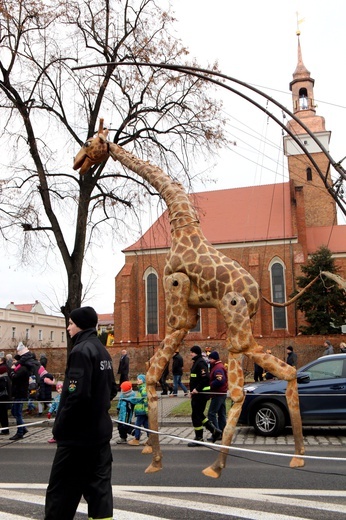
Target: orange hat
126 386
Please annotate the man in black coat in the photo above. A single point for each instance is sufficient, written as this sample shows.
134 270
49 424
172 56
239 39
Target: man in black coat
124 367
83 427
200 393
291 357
177 371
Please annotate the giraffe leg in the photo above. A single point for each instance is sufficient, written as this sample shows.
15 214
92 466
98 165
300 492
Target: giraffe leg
237 395
296 423
234 309
281 370
180 319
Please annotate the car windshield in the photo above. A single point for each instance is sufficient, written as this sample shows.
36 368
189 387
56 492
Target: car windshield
326 369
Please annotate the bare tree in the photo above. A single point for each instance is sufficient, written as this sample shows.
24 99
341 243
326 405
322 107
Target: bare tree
162 115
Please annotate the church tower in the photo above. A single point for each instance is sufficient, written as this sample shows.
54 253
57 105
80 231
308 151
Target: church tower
319 207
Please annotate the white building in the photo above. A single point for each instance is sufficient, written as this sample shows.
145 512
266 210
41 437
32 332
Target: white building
30 324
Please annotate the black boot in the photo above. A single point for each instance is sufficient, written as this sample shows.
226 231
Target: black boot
216 434
198 437
194 444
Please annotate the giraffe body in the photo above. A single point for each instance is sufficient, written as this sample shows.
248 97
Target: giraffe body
197 275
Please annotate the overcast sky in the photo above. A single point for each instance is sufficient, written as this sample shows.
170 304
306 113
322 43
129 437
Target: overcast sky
254 42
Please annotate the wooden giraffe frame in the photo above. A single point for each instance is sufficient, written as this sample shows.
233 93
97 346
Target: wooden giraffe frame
197 275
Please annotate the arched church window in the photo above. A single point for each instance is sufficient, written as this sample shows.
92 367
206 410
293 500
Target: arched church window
303 99
151 302
308 174
278 288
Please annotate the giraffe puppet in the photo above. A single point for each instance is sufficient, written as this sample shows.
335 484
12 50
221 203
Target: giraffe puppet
198 275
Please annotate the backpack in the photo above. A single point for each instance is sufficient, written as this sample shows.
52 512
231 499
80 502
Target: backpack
33 387
34 377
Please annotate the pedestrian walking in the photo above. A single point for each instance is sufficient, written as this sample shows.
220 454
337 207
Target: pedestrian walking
218 391
199 393
140 410
291 357
177 371
328 348
82 464
126 404
124 367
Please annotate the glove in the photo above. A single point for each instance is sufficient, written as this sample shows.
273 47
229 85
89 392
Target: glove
49 415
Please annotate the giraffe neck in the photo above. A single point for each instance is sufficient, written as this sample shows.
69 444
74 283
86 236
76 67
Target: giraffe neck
181 211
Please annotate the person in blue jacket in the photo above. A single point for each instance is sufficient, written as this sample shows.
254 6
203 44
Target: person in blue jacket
126 404
82 464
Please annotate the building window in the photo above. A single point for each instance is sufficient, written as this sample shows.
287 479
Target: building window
198 327
278 289
63 336
52 335
151 302
27 333
40 335
308 174
13 334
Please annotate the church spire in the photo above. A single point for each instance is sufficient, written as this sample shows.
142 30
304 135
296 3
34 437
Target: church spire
302 87
313 205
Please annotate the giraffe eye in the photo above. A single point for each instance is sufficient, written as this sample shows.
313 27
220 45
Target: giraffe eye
86 144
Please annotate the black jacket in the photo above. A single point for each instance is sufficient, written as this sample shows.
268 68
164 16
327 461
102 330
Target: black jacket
177 364
124 366
89 387
20 377
199 375
292 359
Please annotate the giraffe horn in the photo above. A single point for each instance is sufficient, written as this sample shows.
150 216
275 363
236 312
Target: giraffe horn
101 126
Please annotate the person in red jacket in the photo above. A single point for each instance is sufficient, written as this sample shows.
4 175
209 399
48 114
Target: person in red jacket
218 391
82 464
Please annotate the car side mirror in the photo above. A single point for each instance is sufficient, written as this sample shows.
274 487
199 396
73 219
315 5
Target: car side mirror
303 377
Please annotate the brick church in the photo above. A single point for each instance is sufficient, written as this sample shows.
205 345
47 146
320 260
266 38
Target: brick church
270 230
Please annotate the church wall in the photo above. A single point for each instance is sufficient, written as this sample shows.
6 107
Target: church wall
130 302
307 348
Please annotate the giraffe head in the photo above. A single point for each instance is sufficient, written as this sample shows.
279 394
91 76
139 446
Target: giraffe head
94 151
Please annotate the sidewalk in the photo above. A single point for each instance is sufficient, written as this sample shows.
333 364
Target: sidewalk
175 429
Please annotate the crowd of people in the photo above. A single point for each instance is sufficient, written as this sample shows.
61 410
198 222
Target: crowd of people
82 429
23 379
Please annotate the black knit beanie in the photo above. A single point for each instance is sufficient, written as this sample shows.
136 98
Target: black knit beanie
196 349
84 317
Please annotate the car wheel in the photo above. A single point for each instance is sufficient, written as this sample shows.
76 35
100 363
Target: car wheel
269 420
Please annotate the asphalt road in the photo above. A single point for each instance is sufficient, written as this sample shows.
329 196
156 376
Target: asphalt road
252 486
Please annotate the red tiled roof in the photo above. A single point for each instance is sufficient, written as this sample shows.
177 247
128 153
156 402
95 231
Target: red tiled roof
247 214
334 237
25 307
105 319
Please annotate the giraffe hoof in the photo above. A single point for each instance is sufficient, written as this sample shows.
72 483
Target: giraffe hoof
210 472
297 462
147 449
153 469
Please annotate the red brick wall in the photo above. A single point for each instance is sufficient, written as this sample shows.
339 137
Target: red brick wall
306 347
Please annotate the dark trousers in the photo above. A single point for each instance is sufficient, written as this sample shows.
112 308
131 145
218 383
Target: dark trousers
198 404
76 472
217 411
17 412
